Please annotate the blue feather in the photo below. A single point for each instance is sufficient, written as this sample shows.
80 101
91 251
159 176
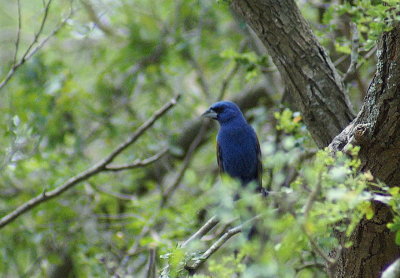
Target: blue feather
238 150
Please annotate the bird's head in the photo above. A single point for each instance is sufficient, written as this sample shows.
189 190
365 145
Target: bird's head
223 112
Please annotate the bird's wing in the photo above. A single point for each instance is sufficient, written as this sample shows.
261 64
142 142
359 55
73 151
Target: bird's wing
259 163
219 159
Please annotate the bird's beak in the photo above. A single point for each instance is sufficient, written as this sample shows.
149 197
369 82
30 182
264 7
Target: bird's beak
210 114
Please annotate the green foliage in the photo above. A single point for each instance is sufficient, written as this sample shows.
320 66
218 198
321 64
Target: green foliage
371 17
325 196
105 73
391 197
249 60
288 121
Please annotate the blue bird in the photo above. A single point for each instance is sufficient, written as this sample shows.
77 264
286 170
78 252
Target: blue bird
238 149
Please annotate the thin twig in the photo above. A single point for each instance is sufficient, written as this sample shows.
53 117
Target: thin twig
193 146
135 248
120 216
311 199
354 52
317 248
33 50
117 195
38 33
199 71
151 267
18 32
211 223
307 208
310 265
33 268
218 244
227 80
220 231
214 248
137 163
365 57
95 18
95 169
152 58
340 60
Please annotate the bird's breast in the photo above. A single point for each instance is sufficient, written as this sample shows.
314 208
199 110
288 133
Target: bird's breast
238 151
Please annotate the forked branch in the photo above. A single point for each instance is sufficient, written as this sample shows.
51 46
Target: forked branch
35 45
101 166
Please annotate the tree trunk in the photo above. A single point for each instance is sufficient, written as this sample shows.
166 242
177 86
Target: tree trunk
318 90
304 65
377 130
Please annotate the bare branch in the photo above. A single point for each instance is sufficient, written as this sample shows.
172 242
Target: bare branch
214 248
310 265
137 163
151 267
18 32
135 248
33 50
230 233
312 198
220 230
354 52
152 58
38 33
95 169
227 80
117 195
95 18
217 245
174 185
205 88
316 248
211 223
231 74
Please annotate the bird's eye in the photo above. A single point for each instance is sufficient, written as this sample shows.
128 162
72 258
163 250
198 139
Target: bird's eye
218 109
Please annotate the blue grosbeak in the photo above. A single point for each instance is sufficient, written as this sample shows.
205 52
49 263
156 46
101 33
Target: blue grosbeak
238 149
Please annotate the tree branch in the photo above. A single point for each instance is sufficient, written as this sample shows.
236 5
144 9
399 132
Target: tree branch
188 157
217 245
354 52
18 32
205 88
211 223
95 169
377 131
307 208
227 80
213 248
31 50
90 10
124 197
305 67
38 33
137 163
151 267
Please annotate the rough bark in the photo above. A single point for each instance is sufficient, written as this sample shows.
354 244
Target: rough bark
377 130
377 127
316 87
306 69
